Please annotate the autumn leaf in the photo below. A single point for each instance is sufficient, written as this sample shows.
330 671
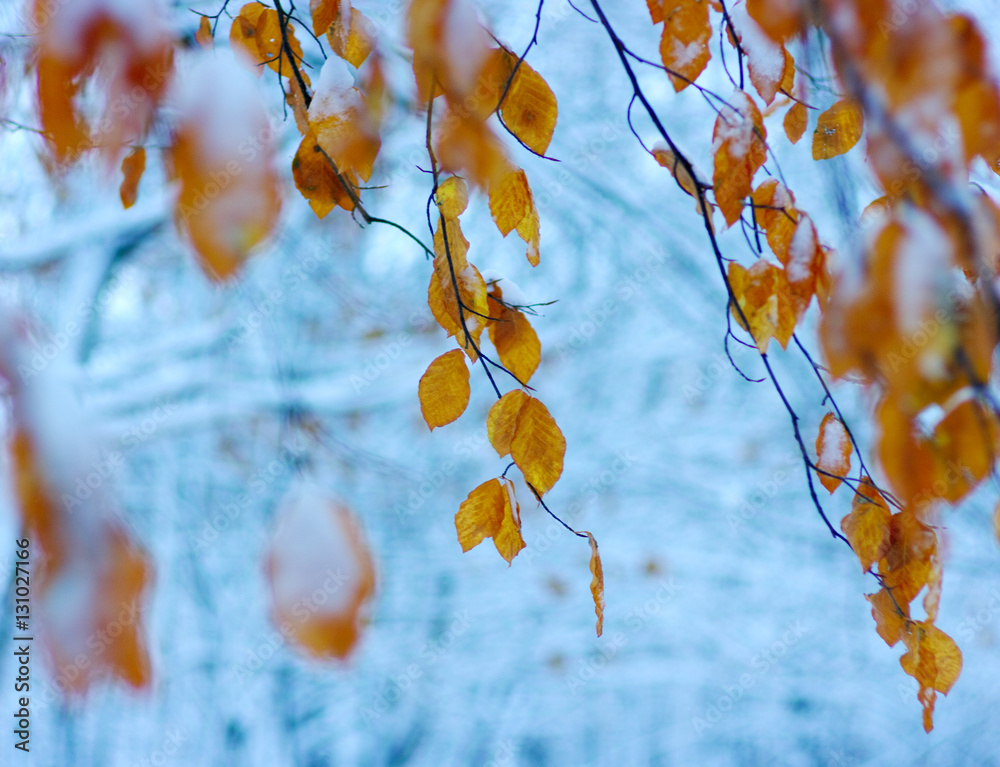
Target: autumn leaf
507 539
323 12
452 197
271 49
538 446
513 207
133 167
770 65
353 38
833 448
867 527
530 110
502 419
796 121
966 442
774 210
596 582
780 19
934 660
906 566
889 623
515 340
465 145
339 118
454 279
762 293
481 514
243 35
315 179
739 150
204 35
684 43
837 129
317 549
444 389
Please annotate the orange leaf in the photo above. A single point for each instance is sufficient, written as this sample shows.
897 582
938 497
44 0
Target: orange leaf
888 622
796 121
833 448
538 446
315 179
530 109
508 538
934 660
481 514
774 209
271 49
966 441
339 117
838 129
243 35
453 273
596 582
204 35
133 167
444 389
655 10
684 44
906 566
780 19
502 420
513 207
515 340
450 48
465 145
867 527
740 150
354 40
317 549
762 293
770 65
323 13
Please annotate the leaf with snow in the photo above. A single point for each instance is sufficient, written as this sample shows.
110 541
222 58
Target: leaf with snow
739 149
833 450
684 44
317 549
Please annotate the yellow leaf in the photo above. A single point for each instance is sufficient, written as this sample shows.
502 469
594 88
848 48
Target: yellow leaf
528 230
204 34
530 109
452 197
271 49
323 13
132 169
508 538
465 145
838 129
354 40
833 450
684 44
515 340
867 527
502 419
774 208
740 150
444 389
538 446
888 622
510 200
796 121
243 35
596 582
460 276
481 514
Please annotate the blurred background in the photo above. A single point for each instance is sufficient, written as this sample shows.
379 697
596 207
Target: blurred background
736 631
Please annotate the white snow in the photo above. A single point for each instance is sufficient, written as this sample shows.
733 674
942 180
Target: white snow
334 91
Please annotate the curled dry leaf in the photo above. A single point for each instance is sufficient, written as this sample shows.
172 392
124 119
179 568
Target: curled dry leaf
596 582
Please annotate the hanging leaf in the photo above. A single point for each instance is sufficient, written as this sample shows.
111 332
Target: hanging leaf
352 38
481 514
317 549
684 44
452 197
530 109
833 450
204 35
515 340
444 389
502 420
507 539
934 660
271 49
796 121
889 623
339 117
837 129
538 446
762 293
739 150
243 36
513 207
867 527
596 582
774 210
315 179
133 167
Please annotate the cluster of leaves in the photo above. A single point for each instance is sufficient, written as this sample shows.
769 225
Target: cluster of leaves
912 314
913 317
